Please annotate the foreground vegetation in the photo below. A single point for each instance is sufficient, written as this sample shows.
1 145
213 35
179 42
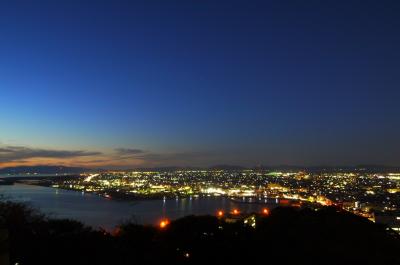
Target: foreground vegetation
286 236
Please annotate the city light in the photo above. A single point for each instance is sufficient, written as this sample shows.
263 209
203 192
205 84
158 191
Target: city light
287 188
164 223
265 211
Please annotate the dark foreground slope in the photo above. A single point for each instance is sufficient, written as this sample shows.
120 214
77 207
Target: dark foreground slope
287 236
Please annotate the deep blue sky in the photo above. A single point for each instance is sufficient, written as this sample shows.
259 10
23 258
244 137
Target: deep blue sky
199 82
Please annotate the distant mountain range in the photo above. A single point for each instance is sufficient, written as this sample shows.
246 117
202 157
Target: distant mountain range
366 168
43 170
77 170
361 168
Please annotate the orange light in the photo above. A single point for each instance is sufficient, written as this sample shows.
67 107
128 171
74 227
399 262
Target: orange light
265 211
164 223
236 211
284 201
220 213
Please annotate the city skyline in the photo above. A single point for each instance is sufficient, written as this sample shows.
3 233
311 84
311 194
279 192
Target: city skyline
127 84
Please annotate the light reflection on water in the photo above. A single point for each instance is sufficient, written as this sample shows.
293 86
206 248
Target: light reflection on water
97 211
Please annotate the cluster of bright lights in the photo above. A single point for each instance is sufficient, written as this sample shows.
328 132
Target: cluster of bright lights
358 192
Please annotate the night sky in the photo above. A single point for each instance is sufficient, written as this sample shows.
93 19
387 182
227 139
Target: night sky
125 84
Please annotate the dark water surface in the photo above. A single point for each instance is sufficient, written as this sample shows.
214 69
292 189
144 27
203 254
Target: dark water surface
98 211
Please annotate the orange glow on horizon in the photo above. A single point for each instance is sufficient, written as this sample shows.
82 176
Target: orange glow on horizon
220 213
235 211
101 157
265 211
88 162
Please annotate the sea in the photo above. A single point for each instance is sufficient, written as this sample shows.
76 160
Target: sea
100 212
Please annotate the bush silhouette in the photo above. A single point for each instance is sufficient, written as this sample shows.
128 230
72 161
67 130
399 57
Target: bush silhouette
287 235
